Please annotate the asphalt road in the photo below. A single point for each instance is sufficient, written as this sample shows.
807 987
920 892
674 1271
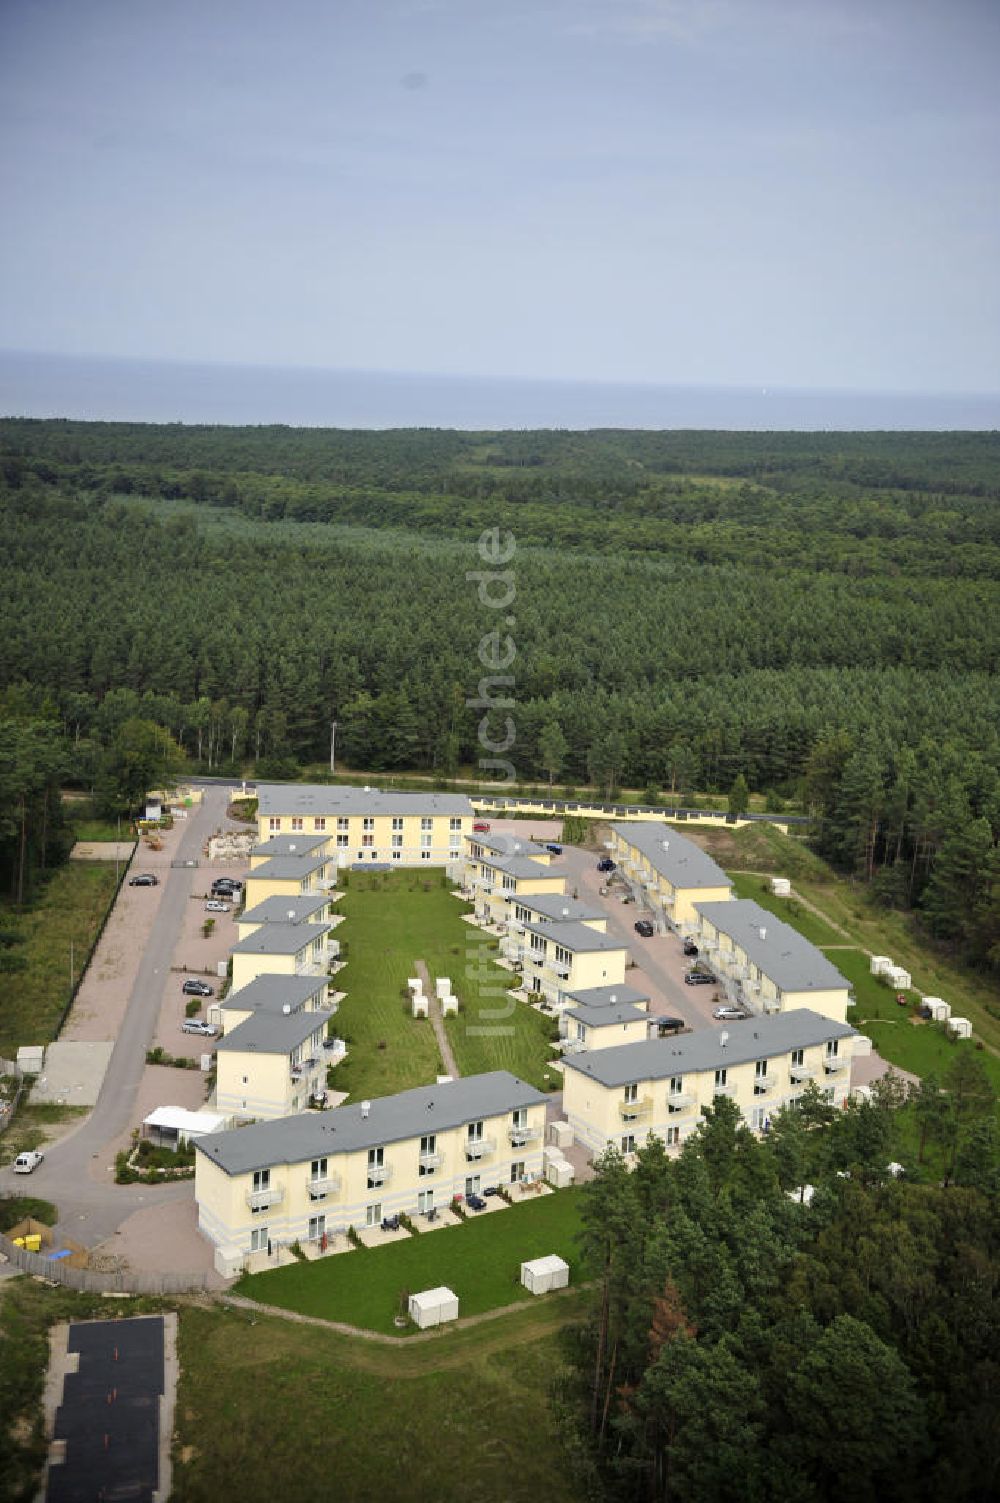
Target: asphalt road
90 1210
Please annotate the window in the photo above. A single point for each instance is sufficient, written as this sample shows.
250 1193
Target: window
342 823
673 1137
319 824
259 1240
720 1079
317 1169
426 824
368 823
368 841
376 1167
758 1118
397 823
342 840
517 1172
472 1184
425 855
296 822
454 841
425 1201
425 842
676 1084
631 1093
454 824
475 1132
274 824
798 1057
628 1143
397 841
397 855
317 1228
428 1154
373 1214
760 1080
581 1032
832 1049
519 1118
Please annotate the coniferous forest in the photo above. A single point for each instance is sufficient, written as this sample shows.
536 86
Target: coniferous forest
813 613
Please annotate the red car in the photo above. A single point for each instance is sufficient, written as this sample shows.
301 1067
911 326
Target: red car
481 827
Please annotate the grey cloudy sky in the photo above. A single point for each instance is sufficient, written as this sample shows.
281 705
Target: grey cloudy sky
797 192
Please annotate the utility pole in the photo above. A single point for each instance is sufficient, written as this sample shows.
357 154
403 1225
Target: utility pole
333 744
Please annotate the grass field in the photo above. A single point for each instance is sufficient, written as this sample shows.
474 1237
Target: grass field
480 1260
392 920
33 1126
266 1407
815 929
87 824
69 911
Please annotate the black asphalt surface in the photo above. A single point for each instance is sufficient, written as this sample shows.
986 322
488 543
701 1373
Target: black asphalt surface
109 1416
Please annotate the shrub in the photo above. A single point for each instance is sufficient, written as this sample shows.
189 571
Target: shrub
353 1238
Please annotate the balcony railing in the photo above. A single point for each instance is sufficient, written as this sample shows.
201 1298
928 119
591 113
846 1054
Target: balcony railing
318 1187
629 1110
479 1148
521 1135
430 1160
680 1101
259 1200
378 1174
562 971
833 1062
764 1082
723 1090
802 1072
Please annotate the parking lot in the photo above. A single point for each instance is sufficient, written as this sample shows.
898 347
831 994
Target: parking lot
660 963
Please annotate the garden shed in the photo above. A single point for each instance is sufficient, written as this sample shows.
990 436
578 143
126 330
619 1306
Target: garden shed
431 1307
937 1008
959 1028
539 1275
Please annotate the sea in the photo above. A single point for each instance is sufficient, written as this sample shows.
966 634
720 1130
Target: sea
99 388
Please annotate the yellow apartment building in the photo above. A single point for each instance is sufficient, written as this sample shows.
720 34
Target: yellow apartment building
582 1028
667 872
284 950
544 908
290 845
309 1176
567 957
767 966
623 1095
289 877
271 1064
315 908
497 881
370 826
271 993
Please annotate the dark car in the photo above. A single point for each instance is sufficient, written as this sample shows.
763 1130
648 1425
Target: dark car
645 928
144 879
670 1025
605 864
556 850
226 885
690 948
699 978
193 988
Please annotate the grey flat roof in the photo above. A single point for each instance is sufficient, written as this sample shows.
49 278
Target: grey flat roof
607 996
755 1038
272 992
289 845
281 910
391 1119
287 868
683 863
521 866
280 939
574 936
507 845
560 908
266 1032
607 1017
784 956
340 798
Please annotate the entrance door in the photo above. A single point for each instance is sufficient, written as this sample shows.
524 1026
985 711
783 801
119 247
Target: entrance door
425 1201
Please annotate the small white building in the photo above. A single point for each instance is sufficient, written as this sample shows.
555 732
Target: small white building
418 1005
781 887
540 1275
959 1028
449 1006
899 978
938 1008
881 965
432 1307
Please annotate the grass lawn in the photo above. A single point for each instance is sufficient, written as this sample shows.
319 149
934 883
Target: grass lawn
392 920
15 1208
69 910
266 1407
87 824
33 1127
815 929
480 1260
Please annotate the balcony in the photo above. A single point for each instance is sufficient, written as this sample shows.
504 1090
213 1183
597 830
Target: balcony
763 1083
680 1101
562 971
378 1174
259 1200
319 1188
833 1062
430 1160
332 948
629 1111
479 1148
802 1072
723 1090
521 1135
537 959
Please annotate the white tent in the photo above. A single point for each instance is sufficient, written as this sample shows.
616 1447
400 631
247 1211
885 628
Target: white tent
880 965
174 1122
539 1275
433 1306
939 1009
442 986
781 887
959 1028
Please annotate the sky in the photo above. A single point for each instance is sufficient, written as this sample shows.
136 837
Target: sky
798 193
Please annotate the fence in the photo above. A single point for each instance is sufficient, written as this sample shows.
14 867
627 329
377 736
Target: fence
11 1067
90 1281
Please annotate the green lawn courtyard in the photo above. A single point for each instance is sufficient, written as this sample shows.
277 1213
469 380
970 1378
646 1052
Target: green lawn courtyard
480 1260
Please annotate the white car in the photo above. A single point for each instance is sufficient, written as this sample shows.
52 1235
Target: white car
214 905
195 1025
27 1163
730 1014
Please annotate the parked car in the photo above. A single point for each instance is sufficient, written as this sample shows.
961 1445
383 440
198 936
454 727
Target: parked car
690 948
645 928
556 850
144 879
28 1162
481 827
225 887
730 1014
195 1025
670 1025
699 978
605 864
215 905
193 988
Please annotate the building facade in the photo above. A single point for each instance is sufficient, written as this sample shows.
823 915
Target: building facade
668 872
767 966
369 826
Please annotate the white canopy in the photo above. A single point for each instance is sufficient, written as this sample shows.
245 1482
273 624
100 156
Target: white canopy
186 1124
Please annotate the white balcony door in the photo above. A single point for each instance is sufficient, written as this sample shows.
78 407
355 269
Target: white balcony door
317 1228
258 1239
472 1183
425 1201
